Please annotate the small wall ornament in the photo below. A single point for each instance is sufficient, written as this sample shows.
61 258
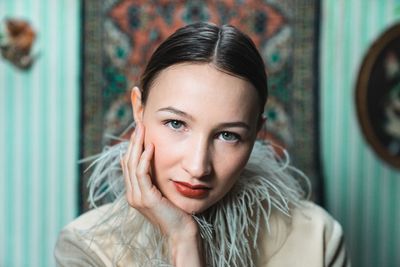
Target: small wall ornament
378 96
16 41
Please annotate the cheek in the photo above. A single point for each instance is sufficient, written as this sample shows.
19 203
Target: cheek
165 152
231 164
153 135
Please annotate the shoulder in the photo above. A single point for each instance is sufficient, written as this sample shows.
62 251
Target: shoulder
89 219
77 243
312 217
309 237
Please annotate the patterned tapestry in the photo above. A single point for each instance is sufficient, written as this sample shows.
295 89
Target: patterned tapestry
120 36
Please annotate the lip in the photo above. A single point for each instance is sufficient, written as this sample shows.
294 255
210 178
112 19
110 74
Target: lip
191 191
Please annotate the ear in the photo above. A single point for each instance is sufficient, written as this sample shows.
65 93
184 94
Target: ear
137 106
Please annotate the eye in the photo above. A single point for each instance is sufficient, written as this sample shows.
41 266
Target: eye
229 137
175 124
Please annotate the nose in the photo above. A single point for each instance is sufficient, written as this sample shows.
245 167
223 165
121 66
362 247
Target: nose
197 161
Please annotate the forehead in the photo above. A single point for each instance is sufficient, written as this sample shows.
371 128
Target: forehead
201 86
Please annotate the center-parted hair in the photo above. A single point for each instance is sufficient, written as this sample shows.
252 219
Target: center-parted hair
225 47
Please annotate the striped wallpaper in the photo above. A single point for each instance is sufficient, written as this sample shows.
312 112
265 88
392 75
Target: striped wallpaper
363 193
39 123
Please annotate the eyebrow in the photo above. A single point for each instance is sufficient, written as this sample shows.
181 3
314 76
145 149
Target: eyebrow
223 125
176 112
235 124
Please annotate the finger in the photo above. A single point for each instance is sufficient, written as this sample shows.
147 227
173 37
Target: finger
130 145
134 157
127 179
143 170
124 159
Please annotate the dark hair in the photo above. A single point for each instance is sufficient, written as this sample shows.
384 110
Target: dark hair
227 48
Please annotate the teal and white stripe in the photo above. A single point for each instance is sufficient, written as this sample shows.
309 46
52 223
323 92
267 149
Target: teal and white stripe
362 191
39 122
3 185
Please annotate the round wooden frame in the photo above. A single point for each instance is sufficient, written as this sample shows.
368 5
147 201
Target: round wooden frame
363 87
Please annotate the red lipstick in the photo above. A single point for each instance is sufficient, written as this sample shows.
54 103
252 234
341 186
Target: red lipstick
191 191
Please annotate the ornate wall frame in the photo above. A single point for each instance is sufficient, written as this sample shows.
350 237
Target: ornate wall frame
378 96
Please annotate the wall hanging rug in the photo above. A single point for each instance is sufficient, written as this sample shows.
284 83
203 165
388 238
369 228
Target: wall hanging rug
120 35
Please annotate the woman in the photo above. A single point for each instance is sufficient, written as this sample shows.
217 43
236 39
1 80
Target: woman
193 187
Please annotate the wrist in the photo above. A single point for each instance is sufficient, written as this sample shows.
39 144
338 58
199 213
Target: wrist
183 245
184 232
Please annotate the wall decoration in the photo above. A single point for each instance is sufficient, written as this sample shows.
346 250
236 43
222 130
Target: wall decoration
378 96
16 42
120 35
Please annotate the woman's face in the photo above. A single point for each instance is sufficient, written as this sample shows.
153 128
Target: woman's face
203 124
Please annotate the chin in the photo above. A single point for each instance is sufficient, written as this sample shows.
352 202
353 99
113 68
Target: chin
187 204
192 208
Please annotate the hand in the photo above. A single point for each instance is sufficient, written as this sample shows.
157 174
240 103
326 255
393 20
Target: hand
179 227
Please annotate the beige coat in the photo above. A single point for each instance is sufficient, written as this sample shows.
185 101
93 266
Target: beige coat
312 238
